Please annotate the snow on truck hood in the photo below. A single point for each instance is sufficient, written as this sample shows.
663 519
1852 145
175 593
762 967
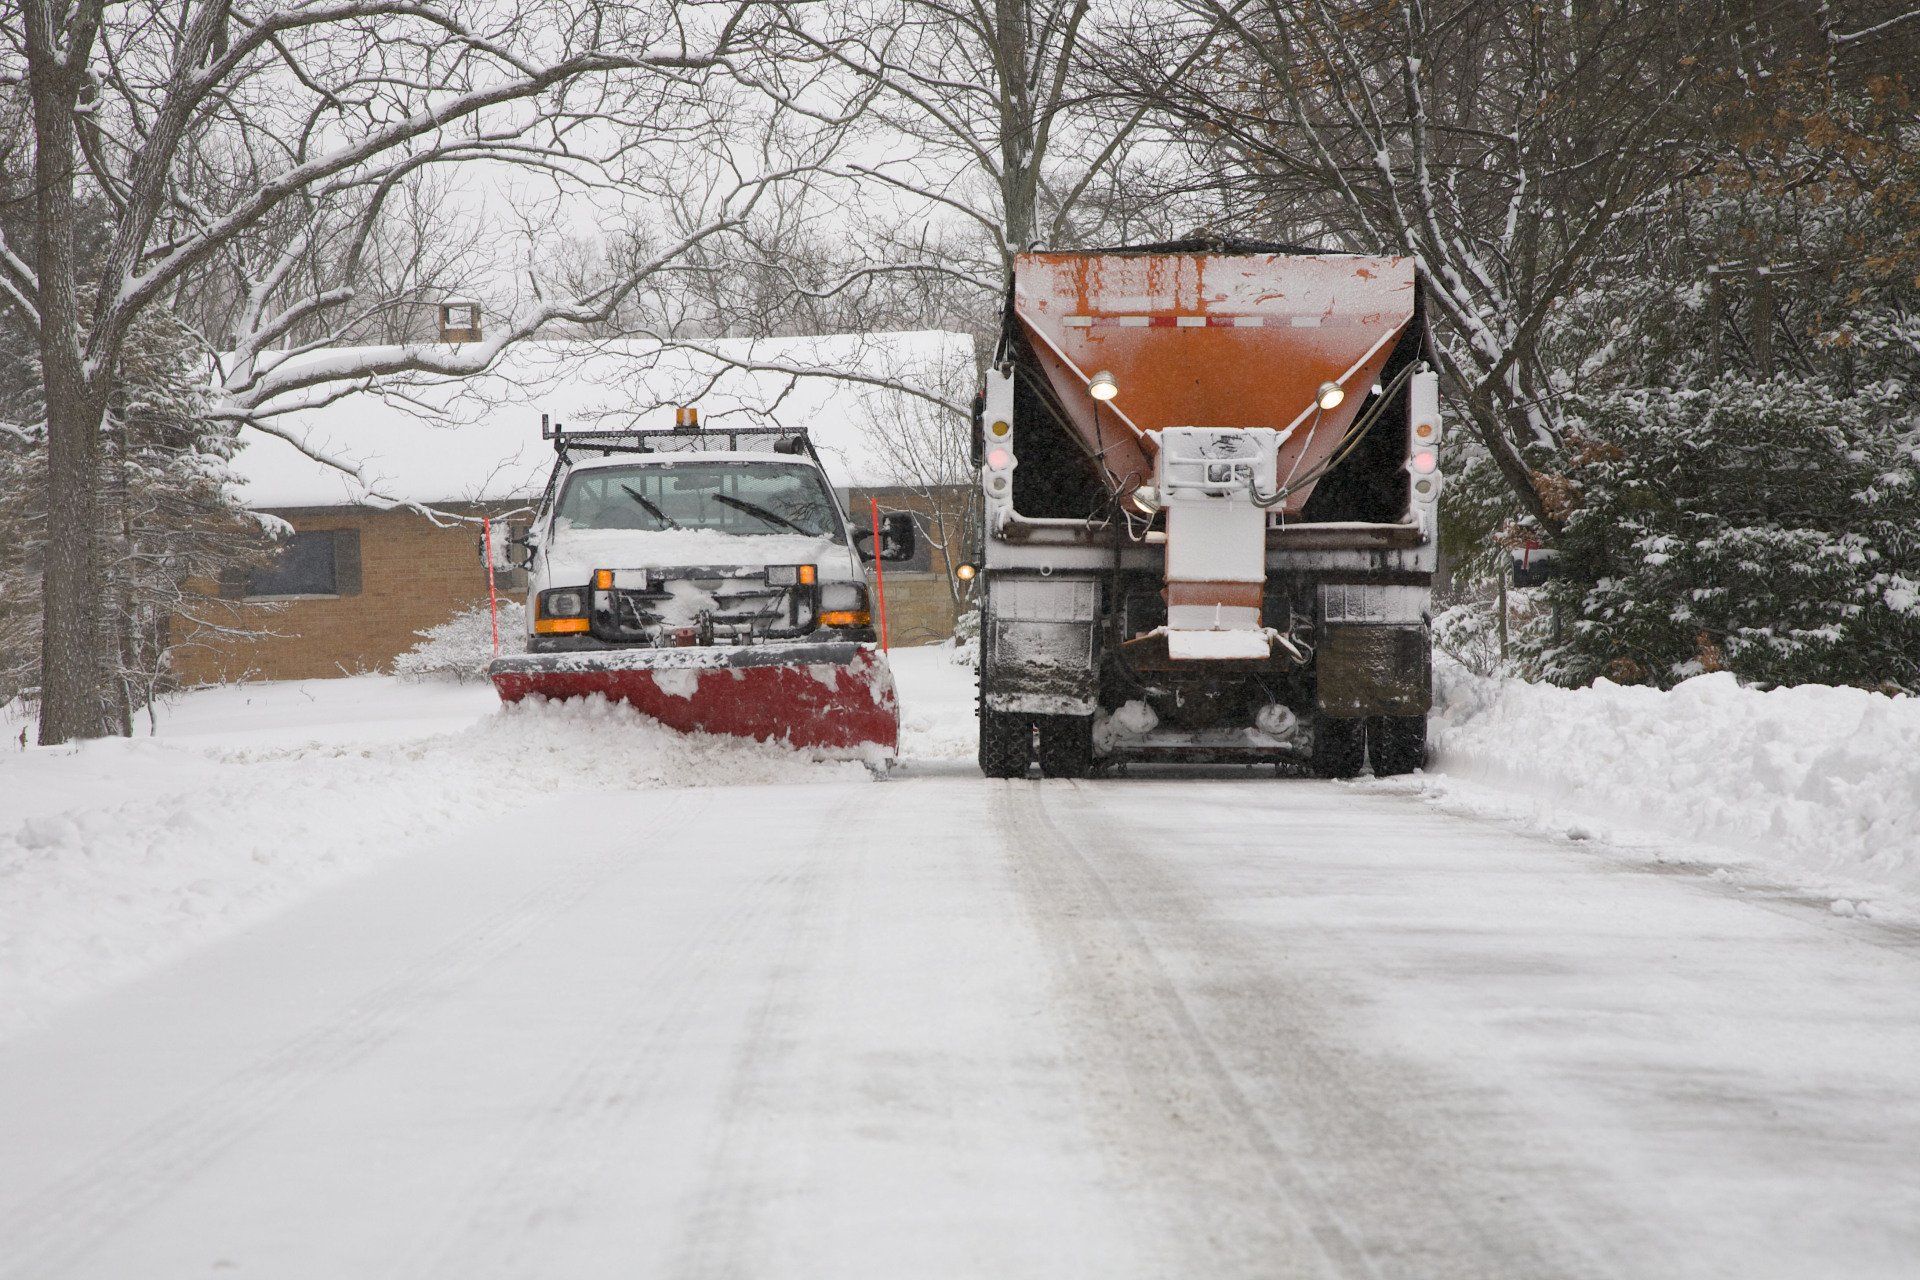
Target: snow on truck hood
573 554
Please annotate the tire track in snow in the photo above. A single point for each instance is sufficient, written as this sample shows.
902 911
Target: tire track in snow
56 1228
1273 1147
721 1236
503 1222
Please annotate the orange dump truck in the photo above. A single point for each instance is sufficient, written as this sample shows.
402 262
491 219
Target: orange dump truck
1211 475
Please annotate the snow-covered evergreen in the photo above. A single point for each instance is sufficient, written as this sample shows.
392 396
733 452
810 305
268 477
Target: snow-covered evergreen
1769 529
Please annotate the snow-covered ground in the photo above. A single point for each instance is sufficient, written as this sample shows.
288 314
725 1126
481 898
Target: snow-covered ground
705 1010
119 855
361 977
1816 786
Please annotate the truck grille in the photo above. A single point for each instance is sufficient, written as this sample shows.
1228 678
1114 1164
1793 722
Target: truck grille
705 605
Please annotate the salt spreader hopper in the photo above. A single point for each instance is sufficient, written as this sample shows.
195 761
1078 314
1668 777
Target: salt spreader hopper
1210 473
711 579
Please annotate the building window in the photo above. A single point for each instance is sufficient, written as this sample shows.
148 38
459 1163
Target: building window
310 563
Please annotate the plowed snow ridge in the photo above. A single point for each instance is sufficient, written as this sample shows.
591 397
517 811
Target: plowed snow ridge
1815 783
94 893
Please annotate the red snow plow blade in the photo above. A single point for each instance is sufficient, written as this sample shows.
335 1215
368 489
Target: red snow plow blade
836 695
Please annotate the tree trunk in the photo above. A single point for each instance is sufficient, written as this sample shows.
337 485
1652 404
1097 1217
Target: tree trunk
73 698
72 666
1017 160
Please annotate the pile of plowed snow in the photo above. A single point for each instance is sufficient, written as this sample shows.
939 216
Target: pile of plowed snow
1819 785
124 853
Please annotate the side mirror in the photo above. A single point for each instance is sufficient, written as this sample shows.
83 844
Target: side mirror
496 552
514 551
897 538
979 418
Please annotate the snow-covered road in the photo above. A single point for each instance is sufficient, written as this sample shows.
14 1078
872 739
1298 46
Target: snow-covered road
1205 1026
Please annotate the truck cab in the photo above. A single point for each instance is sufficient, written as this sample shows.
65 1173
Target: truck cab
675 540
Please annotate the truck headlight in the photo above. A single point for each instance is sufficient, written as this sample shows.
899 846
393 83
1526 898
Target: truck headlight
561 611
844 604
788 575
565 602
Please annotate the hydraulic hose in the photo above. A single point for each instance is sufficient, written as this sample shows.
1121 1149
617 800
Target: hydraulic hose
1355 435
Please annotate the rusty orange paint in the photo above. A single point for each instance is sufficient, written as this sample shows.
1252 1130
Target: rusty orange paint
1263 332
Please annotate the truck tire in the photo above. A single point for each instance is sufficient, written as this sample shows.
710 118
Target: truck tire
1006 744
1396 744
1339 746
1006 741
1066 746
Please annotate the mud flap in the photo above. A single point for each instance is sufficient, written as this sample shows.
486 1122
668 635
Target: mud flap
834 695
1037 647
1374 671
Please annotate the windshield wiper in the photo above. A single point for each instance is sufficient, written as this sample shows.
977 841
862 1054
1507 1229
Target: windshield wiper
652 510
755 509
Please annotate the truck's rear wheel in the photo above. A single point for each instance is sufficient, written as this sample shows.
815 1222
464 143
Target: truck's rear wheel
1339 746
1006 741
1066 746
1396 744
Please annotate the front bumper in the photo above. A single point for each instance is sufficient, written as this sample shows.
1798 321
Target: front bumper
538 644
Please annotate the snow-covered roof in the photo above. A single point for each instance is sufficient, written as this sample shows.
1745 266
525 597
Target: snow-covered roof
477 439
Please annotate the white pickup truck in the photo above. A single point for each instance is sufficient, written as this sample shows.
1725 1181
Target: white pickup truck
658 559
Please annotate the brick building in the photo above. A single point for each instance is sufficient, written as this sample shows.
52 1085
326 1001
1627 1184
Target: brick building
391 546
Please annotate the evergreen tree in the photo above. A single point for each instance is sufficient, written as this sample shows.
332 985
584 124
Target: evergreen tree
168 523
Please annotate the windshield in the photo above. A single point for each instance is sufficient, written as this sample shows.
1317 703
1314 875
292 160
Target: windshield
727 497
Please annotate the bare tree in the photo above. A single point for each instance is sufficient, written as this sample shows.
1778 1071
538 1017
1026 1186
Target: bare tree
982 111
928 453
263 148
1511 148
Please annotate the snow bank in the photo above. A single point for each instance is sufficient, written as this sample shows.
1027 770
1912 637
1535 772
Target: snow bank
1816 784
937 704
125 853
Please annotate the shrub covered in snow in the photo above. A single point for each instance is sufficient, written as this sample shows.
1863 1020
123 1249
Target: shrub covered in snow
1768 529
1469 633
964 647
461 647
